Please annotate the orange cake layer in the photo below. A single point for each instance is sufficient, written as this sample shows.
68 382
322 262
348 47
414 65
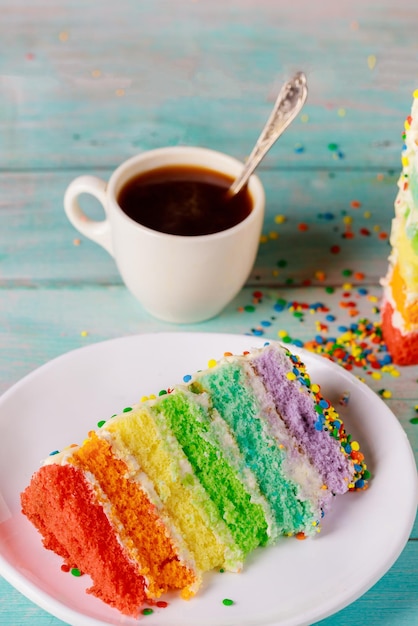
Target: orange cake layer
140 525
397 285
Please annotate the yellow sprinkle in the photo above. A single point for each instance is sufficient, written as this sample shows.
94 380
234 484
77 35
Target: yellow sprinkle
280 219
314 523
355 446
371 61
152 396
324 487
351 486
144 398
304 118
347 286
282 333
407 125
395 373
84 333
273 235
415 94
315 388
341 112
405 161
367 214
291 375
376 375
281 446
386 393
212 363
373 298
376 228
347 219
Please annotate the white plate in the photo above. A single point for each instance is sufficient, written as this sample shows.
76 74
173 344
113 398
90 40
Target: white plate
293 583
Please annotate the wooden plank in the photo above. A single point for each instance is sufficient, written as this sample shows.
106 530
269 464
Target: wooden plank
308 216
39 324
87 85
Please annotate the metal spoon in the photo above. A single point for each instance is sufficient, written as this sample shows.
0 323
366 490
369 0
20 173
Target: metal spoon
289 102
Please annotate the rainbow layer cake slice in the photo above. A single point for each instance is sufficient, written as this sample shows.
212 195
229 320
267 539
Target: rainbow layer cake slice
246 451
400 295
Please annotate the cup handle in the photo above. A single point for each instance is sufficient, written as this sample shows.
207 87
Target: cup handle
96 230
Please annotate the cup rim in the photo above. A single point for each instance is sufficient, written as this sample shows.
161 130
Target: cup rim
184 156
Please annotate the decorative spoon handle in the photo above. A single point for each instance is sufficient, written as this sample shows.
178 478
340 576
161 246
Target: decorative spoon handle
289 102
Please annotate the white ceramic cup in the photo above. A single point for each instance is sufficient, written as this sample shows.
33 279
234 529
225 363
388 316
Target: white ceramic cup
180 279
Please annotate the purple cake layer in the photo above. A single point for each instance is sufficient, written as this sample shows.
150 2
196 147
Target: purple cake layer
303 416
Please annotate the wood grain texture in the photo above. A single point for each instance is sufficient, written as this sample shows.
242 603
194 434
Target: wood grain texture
85 85
93 83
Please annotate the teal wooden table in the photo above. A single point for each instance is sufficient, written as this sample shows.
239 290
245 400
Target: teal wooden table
85 85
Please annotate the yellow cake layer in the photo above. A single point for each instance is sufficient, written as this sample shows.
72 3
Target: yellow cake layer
135 518
136 433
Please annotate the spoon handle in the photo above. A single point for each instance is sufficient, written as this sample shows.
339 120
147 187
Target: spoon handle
289 102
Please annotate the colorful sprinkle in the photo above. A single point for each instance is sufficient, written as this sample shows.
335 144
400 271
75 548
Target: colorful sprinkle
147 611
227 602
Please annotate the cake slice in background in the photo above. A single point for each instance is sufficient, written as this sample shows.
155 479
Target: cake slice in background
196 479
400 286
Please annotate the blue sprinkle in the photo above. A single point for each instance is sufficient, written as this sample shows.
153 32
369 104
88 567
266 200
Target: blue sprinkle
357 468
279 307
347 448
257 331
318 425
362 291
330 318
187 378
54 452
265 323
298 342
360 483
386 359
319 339
324 404
342 329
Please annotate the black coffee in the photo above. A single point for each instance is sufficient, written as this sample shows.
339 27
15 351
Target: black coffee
184 200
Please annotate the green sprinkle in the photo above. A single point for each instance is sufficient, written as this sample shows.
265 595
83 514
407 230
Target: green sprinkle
75 571
347 272
227 602
414 420
286 339
222 571
147 612
163 392
282 263
332 147
249 308
101 423
127 409
329 289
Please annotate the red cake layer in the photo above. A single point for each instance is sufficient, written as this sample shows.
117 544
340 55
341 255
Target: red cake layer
59 502
402 347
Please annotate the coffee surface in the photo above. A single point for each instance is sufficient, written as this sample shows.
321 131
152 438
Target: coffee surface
184 200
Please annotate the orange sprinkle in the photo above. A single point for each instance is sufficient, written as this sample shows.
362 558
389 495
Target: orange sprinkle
301 536
383 235
359 276
227 353
355 204
303 226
